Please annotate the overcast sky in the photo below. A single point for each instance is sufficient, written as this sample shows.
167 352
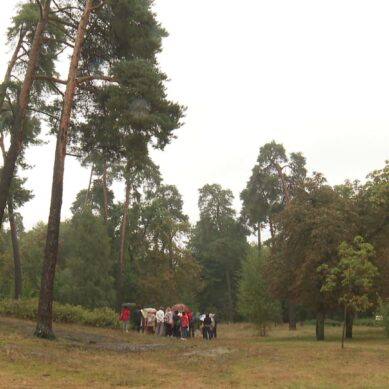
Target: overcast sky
313 75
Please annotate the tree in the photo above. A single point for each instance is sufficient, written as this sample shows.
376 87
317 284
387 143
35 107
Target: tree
116 65
34 37
352 278
310 230
85 277
219 243
275 168
255 301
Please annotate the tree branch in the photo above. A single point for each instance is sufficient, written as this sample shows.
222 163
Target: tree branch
93 77
50 79
40 7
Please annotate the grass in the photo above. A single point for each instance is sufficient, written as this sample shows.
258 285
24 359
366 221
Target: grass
86 357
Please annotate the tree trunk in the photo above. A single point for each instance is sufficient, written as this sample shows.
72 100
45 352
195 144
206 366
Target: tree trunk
16 251
21 110
229 296
105 193
292 315
123 228
320 316
349 325
89 185
344 324
11 64
259 237
14 235
44 317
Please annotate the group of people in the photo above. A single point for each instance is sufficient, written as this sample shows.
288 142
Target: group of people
177 324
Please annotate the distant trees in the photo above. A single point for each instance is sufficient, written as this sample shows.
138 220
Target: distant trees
219 244
255 302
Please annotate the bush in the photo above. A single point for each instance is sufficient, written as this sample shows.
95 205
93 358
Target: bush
384 311
64 313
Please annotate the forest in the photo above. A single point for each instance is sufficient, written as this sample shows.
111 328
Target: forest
299 249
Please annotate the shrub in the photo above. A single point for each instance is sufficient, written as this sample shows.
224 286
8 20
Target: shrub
65 313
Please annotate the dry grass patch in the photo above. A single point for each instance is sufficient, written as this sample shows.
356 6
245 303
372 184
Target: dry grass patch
99 358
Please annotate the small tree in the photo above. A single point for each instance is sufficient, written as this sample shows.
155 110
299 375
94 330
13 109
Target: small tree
255 302
352 277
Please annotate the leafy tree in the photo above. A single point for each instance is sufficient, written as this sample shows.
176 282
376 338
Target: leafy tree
159 268
85 277
219 243
255 302
310 230
351 278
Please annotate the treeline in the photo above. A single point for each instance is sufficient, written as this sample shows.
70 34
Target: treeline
327 249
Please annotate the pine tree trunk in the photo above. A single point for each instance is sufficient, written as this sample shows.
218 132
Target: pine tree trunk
44 317
349 325
320 324
292 315
105 193
16 251
123 231
259 237
229 296
14 235
89 186
20 112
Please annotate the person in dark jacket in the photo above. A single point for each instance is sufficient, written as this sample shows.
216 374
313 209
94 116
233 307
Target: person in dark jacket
207 323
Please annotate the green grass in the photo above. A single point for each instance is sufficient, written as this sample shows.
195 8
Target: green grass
106 358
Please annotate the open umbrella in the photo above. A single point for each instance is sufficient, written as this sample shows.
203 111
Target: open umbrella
180 307
129 305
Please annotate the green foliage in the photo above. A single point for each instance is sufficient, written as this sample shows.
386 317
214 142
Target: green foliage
85 274
353 277
255 302
64 313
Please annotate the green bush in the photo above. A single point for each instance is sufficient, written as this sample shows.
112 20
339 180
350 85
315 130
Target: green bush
384 311
64 313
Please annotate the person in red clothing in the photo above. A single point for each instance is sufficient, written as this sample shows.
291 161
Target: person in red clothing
191 324
125 317
184 325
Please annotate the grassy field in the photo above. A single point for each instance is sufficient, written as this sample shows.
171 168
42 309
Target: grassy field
84 357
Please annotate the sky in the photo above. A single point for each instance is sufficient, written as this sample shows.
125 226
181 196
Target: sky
312 75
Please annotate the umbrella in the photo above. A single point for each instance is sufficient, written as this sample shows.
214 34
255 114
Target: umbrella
129 305
180 307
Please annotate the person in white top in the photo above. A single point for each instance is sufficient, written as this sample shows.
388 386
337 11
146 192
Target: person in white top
160 316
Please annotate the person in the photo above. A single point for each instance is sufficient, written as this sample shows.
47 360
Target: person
168 322
184 325
176 324
137 318
207 327
160 316
150 322
213 325
125 317
191 324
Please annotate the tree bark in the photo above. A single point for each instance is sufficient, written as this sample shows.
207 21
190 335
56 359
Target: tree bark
16 251
14 235
292 315
89 185
44 317
320 316
259 241
344 324
21 110
229 296
349 324
105 193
